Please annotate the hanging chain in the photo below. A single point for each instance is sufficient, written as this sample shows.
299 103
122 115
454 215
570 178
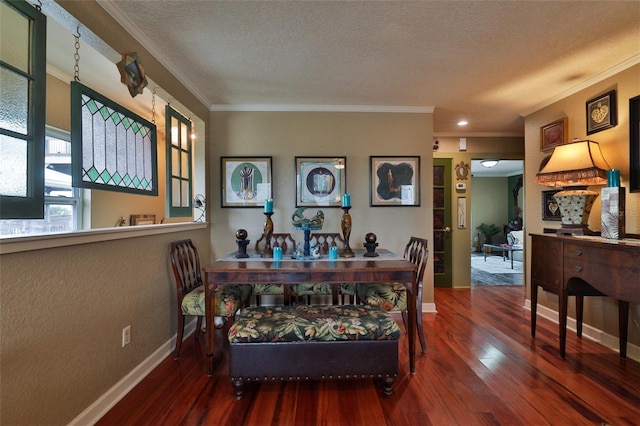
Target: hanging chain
38 6
153 106
76 67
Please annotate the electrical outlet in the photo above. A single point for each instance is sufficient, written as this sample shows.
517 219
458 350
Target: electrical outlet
126 336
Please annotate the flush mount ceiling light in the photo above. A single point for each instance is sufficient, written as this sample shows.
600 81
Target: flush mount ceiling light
463 123
489 163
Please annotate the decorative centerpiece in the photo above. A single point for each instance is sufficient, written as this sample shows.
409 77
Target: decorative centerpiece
345 224
268 228
242 242
300 222
370 244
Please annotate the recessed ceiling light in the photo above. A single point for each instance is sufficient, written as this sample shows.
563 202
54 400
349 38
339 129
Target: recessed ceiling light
463 123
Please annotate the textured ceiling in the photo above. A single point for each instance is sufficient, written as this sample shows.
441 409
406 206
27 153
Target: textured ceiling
487 62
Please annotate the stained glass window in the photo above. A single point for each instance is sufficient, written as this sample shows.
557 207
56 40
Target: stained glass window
114 149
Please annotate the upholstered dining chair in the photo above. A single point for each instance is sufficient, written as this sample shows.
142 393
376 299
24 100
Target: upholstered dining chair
185 263
288 244
394 297
326 240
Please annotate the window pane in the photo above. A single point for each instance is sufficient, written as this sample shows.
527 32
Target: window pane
13 166
185 192
184 137
175 193
14 108
57 168
14 38
57 218
175 162
185 165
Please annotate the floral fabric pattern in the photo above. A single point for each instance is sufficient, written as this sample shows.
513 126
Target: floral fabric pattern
258 324
261 289
229 298
388 297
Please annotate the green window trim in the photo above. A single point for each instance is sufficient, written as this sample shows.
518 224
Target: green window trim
179 150
113 149
31 205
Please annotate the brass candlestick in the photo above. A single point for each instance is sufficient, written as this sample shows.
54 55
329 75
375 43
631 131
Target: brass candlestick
346 233
267 233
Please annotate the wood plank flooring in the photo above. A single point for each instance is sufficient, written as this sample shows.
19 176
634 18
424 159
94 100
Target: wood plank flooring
481 368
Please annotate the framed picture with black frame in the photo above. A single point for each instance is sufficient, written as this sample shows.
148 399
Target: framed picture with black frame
550 208
394 181
246 181
602 112
320 181
634 144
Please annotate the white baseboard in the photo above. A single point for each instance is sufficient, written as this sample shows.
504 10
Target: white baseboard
102 405
429 308
592 333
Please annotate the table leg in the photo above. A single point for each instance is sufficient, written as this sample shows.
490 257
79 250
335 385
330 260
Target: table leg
209 298
623 326
563 297
411 323
485 253
511 256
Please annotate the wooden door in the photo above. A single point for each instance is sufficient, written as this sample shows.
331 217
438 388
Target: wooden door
442 254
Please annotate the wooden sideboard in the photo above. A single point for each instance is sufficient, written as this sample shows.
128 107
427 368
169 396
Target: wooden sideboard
585 266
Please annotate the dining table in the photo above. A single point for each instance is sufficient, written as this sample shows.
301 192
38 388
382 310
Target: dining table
386 268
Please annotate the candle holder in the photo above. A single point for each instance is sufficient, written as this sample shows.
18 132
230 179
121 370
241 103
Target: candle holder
267 233
345 223
242 242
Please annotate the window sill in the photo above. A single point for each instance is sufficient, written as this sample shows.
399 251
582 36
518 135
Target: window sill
38 242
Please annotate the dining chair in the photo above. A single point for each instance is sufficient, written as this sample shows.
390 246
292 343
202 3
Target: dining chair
394 297
185 263
326 240
287 243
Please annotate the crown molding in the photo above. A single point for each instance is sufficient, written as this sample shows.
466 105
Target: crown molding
321 108
132 29
634 60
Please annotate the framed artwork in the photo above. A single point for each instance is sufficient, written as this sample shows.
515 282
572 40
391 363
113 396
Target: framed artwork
394 181
142 219
132 74
602 112
553 134
246 181
550 208
320 181
462 212
634 147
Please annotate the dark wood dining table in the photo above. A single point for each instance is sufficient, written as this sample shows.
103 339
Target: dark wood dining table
359 269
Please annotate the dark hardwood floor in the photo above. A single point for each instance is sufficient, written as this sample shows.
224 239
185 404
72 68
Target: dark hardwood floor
482 367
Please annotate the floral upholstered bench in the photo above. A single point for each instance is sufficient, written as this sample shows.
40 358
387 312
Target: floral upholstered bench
313 342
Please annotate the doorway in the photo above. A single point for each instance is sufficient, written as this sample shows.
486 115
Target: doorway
497 203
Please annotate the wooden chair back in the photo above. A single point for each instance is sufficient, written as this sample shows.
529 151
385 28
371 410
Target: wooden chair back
417 252
326 240
283 240
185 263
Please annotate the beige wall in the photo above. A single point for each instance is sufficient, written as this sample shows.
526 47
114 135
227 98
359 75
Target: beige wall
63 311
356 136
600 313
511 148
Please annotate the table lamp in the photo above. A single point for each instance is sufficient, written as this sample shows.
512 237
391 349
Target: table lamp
574 166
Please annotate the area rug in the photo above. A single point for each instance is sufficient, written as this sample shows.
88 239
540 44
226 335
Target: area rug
495 265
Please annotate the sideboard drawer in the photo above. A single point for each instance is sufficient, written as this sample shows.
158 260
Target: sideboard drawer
576 261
